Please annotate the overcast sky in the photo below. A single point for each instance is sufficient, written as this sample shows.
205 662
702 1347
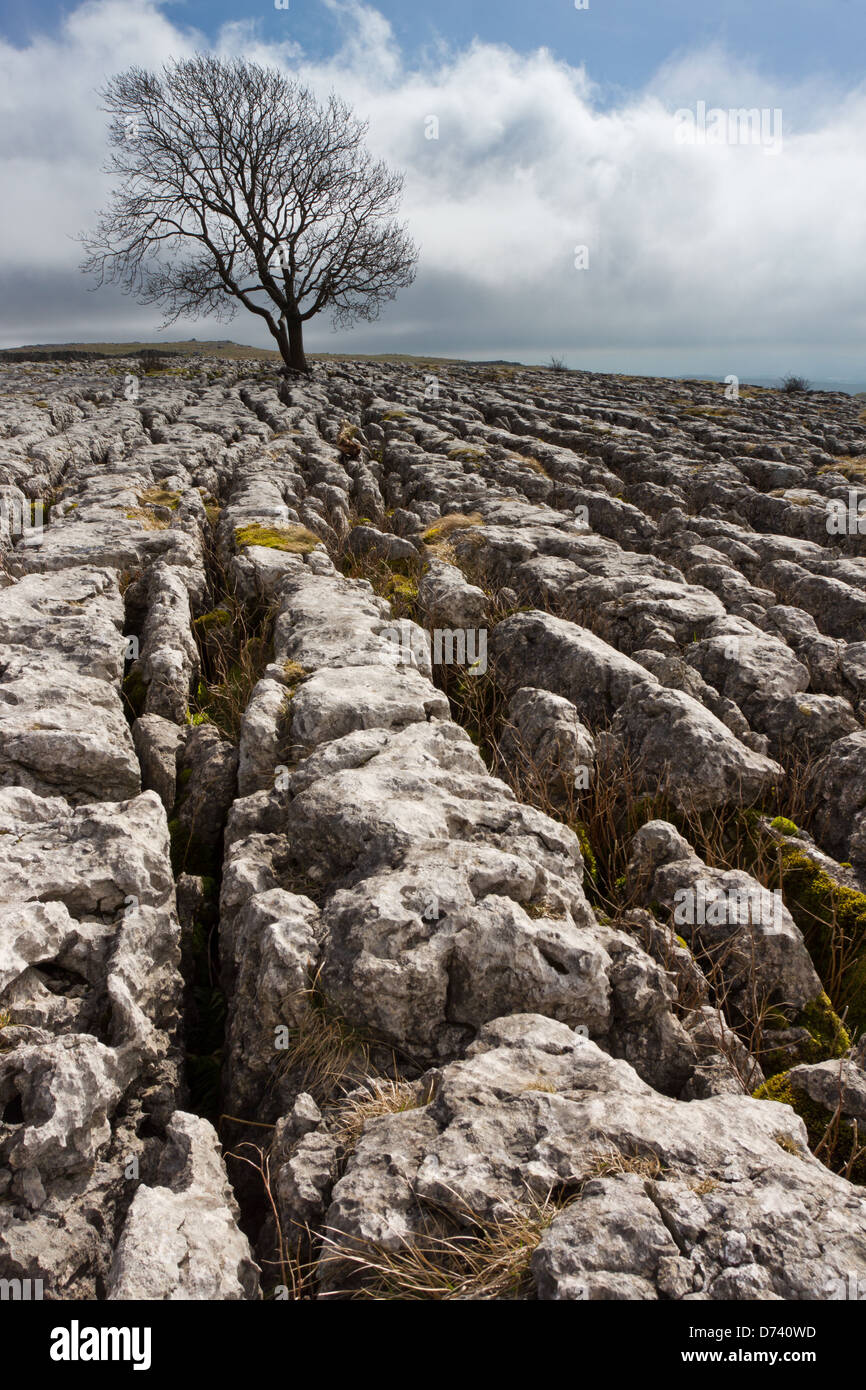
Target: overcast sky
557 129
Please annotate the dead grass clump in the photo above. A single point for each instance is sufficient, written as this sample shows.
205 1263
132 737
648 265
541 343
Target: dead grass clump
149 520
380 1096
489 1260
326 1056
853 464
454 521
454 1254
612 1160
347 444
157 496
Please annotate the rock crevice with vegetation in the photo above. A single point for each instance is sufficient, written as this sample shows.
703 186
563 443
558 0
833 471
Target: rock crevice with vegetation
434 835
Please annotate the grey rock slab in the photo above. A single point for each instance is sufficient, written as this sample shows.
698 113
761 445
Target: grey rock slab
270 953
335 702
63 732
448 600
676 745
539 649
181 1239
728 914
75 614
838 791
741 1206
546 740
264 727
837 1085
157 744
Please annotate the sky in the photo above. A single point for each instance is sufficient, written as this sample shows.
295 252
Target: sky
568 205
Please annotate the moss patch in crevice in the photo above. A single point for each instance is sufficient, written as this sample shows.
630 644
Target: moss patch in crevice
833 920
843 1140
296 540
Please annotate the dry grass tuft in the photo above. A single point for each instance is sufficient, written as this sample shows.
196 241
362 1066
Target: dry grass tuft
454 1254
380 1096
454 521
347 444
149 521
157 496
326 1056
488 1260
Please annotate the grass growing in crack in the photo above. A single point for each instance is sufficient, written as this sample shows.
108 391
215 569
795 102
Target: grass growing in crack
832 918
386 580
454 521
380 1096
235 643
148 518
346 442
157 496
326 1056
490 1260
297 1270
478 705
605 816
206 1006
454 1254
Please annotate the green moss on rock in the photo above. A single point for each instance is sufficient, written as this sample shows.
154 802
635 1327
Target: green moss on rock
840 1146
589 859
831 915
829 1036
217 617
402 586
784 826
294 672
297 540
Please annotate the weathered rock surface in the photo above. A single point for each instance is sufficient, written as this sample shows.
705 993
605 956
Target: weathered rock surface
251 864
711 1199
180 1239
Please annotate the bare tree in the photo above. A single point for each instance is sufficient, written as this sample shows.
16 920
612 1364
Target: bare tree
238 187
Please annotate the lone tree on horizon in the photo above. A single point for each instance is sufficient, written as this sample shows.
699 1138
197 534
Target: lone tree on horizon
238 187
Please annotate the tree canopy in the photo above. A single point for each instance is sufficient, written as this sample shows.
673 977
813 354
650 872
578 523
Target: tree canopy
236 186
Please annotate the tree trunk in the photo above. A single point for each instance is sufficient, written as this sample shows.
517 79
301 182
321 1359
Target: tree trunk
291 342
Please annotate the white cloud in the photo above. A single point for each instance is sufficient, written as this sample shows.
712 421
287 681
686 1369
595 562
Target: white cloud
722 254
